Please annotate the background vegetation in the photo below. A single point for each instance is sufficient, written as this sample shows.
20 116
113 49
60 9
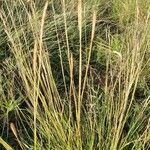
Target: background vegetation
75 74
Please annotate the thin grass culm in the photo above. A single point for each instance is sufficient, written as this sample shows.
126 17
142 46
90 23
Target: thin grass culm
74 75
78 111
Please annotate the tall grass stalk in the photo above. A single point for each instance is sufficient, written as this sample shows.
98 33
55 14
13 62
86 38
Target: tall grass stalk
78 115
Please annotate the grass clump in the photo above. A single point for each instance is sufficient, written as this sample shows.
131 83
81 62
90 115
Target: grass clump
74 75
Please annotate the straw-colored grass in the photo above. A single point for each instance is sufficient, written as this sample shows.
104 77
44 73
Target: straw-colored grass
75 75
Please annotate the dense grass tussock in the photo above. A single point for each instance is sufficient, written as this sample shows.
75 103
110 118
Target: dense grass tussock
75 74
